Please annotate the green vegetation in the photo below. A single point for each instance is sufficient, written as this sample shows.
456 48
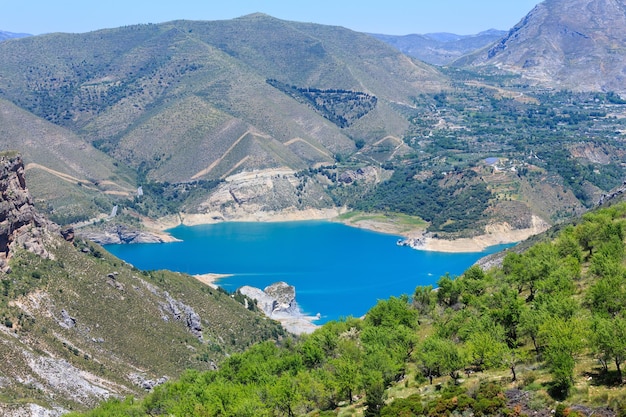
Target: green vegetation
537 326
342 107
400 222
493 150
534 128
447 205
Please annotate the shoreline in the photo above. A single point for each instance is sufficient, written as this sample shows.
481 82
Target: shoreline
415 236
210 278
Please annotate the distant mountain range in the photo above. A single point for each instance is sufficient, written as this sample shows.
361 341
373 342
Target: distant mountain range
9 35
441 48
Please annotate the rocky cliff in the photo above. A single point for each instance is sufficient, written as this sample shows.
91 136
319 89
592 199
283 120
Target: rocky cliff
20 224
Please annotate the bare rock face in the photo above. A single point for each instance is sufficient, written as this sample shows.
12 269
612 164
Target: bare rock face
573 44
120 234
278 302
20 224
275 300
270 190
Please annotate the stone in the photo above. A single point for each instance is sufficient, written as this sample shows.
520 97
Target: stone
67 321
68 234
20 223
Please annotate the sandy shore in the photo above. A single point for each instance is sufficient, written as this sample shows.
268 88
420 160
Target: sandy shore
495 234
209 279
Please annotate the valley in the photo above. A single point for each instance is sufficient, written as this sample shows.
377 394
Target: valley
453 143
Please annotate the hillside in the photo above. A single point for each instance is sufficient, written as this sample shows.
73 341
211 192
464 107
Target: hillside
72 181
80 326
130 90
441 48
564 44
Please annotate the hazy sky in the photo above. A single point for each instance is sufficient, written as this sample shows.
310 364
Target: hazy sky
393 17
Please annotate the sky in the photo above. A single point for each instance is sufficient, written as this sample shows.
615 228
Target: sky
392 17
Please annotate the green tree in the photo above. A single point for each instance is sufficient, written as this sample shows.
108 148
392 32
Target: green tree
449 291
608 338
284 395
374 394
563 341
531 320
347 368
439 356
608 295
486 347
424 299
512 358
392 312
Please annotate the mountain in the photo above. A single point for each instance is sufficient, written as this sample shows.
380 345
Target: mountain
130 91
441 48
80 326
564 44
9 35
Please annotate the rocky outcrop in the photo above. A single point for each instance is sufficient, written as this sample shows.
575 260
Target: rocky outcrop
278 302
148 384
20 224
183 313
120 234
614 194
367 174
275 300
264 191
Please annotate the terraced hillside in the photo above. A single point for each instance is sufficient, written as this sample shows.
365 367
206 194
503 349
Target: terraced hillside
186 99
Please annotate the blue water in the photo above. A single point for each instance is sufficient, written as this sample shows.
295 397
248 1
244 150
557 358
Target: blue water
338 271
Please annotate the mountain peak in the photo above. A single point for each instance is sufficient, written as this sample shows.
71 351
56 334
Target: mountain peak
257 15
571 44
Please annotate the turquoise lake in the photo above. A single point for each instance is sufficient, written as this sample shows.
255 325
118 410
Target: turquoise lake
338 271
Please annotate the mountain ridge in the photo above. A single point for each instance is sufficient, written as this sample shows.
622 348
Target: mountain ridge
440 48
208 56
4 35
